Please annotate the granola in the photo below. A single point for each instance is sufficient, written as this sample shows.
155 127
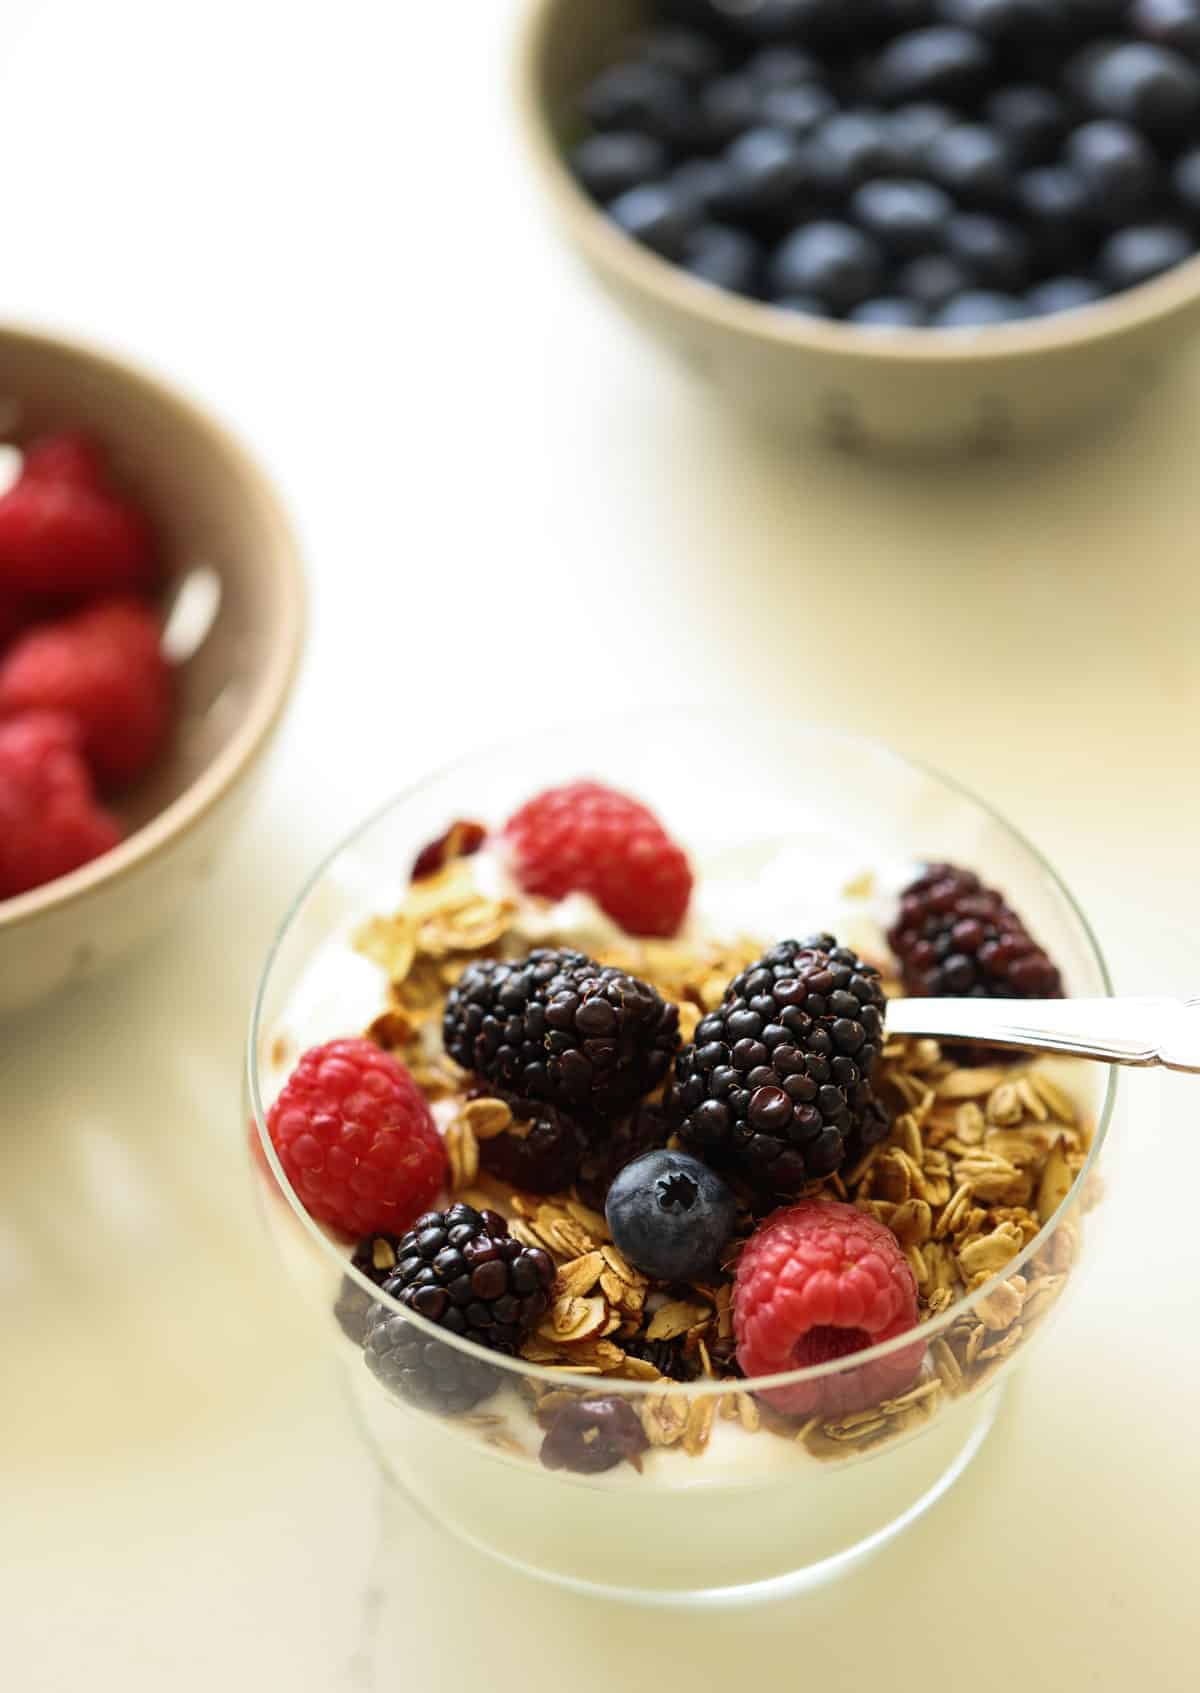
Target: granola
977 1160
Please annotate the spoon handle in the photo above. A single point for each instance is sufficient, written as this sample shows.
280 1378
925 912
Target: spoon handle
1117 1031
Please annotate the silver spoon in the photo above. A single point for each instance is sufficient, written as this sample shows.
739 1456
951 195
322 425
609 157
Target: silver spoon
1117 1031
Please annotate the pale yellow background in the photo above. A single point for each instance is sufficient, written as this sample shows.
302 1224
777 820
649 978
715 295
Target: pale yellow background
316 217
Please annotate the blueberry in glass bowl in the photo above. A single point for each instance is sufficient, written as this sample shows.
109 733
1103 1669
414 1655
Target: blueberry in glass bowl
767 189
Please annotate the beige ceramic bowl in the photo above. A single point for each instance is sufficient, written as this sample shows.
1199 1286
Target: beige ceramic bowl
214 509
1013 385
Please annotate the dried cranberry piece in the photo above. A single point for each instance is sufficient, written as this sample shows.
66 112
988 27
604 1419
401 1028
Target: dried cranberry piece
593 1435
461 840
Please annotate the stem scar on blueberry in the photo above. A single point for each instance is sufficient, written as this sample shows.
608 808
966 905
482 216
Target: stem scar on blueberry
676 1192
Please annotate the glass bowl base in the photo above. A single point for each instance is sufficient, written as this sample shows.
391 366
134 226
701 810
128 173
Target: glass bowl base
698 1544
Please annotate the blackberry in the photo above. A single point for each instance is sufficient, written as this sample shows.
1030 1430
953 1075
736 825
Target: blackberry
873 1126
955 937
540 1153
609 1147
774 1086
376 1258
462 1270
667 1356
557 1027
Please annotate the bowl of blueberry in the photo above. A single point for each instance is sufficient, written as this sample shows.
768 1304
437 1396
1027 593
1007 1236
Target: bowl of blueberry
892 223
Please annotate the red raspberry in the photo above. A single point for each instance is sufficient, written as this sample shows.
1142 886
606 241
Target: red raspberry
820 1281
16 614
356 1139
586 838
70 456
102 667
49 820
65 537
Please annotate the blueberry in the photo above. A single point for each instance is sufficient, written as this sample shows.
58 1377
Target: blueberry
705 183
933 279
888 312
1169 23
1057 209
906 217
657 215
834 261
850 148
727 107
782 20
1003 20
1032 120
687 14
609 163
799 110
1088 17
670 1215
973 163
641 97
1053 192
806 304
1143 250
783 67
994 252
903 16
1149 86
932 64
979 307
705 15
1185 180
913 128
767 167
728 258
1117 164
1062 294
686 53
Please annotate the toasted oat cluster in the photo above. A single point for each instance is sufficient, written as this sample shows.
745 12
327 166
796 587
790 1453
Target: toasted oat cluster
969 1162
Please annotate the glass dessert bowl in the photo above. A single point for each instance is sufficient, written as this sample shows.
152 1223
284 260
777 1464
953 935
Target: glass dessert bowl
684 1162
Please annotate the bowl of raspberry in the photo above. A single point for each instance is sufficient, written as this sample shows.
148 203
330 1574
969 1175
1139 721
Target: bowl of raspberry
656 1267
893 224
151 617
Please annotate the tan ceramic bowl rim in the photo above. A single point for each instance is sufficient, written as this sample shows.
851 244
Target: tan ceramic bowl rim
272 681
674 289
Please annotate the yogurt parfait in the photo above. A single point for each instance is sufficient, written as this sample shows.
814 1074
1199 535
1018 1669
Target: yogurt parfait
655 1265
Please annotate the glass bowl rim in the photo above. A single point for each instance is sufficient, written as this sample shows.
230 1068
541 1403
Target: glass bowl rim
923 1333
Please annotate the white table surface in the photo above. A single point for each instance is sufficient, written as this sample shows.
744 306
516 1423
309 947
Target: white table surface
316 218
